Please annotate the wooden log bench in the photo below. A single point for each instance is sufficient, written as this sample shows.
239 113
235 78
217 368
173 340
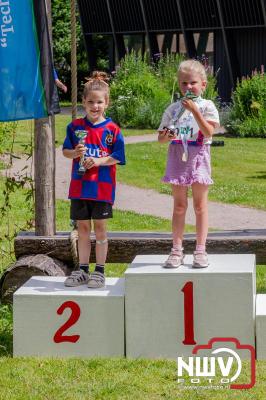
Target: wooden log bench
57 257
124 246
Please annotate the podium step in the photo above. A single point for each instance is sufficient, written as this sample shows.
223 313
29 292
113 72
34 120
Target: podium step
261 326
152 313
169 311
52 320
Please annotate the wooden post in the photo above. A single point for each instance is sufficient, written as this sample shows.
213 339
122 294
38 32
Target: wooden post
44 168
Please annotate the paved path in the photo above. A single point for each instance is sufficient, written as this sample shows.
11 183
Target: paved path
150 202
221 216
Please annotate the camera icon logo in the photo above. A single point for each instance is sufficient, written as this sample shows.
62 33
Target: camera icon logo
221 357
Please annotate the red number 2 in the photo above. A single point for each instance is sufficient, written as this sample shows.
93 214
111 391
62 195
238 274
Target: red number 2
58 337
188 313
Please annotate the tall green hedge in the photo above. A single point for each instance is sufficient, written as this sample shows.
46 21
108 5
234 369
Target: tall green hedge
248 113
138 97
141 90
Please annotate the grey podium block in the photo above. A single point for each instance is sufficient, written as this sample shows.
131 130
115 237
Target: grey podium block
223 298
261 326
100 325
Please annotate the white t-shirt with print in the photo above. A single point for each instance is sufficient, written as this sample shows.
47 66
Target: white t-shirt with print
187 123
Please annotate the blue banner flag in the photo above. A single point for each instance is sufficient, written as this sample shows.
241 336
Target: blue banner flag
27 87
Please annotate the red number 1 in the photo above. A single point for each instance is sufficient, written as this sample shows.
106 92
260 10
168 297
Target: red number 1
59 337
188 313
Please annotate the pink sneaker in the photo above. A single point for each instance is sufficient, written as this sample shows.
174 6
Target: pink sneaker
200 260
175 259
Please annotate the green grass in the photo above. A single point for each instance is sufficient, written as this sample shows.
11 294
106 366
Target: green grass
13 221
63 120
240 177
111 378
121 221
239 170
106 379
136 132
261 278
67 103
25 131
23 136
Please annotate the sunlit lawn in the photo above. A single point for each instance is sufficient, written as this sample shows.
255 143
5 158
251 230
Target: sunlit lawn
25 131
109 379
239 170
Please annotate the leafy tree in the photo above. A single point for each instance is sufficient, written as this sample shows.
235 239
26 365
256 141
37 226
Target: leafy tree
61 23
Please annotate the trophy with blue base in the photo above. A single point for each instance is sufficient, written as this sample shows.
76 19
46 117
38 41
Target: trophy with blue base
81 135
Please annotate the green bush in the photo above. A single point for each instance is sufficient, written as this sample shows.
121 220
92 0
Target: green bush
211 92
6 327
248 112
7 131
138 98
250 127
140 91
166 70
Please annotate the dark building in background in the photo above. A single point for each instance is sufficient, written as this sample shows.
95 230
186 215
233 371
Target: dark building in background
232 33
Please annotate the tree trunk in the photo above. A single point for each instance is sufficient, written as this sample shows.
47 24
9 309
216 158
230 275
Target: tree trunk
44 166
44 169
26 267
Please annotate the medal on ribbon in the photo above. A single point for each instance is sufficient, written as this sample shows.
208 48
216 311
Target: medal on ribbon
177 116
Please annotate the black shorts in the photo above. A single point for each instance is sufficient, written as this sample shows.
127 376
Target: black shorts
89 209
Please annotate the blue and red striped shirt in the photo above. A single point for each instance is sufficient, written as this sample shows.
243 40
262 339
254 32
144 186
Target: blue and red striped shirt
103 140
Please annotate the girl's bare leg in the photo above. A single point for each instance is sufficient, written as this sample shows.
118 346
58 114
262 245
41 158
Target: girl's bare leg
200 202
179 213
101 236
84 243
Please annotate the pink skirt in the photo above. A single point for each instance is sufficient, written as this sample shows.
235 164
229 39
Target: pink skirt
196 169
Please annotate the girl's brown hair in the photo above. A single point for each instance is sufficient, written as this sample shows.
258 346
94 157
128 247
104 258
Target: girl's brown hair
97 81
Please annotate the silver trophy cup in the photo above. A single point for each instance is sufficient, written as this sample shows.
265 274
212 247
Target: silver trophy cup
81 135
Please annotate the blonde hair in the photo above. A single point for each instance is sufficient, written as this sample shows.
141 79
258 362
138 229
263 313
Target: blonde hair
193 66
98 81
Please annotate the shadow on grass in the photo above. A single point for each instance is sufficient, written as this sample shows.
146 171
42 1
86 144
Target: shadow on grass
261 289
261 175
